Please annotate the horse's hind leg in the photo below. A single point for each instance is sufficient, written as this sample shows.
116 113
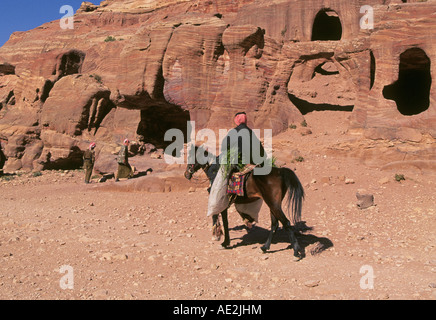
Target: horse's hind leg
279 214
298 253
274 226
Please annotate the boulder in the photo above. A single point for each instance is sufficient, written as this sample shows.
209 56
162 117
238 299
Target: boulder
364 199
76 103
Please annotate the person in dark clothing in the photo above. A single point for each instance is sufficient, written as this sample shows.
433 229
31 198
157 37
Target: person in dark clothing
241 146
88 162
141 141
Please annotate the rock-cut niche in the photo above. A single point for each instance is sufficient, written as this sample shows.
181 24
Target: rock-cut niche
70 63
67 64
327 26
411 91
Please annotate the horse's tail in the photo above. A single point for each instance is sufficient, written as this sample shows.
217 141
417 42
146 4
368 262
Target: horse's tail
294 194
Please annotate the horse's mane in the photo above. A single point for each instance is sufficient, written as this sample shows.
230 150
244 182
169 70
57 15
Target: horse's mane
200 148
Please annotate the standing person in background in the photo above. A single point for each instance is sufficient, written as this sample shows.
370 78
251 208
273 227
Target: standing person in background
124 168
2 160
141 141
88 162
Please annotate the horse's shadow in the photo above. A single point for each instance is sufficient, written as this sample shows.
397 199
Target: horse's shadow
258 235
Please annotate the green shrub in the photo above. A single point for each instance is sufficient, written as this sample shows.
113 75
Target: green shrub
299 159
399 177
110 39
7 178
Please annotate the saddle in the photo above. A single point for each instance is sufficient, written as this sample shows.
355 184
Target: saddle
238 179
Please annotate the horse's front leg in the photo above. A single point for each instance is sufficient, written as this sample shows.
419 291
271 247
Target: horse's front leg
217 231
226 242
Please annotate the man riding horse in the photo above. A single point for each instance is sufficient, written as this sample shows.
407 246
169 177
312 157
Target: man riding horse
239 147
269 184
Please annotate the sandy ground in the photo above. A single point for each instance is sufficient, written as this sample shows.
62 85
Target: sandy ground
62 239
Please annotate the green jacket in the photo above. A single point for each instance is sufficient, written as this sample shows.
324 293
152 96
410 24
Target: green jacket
89 155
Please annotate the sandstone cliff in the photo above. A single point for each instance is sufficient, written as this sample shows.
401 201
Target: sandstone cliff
142 67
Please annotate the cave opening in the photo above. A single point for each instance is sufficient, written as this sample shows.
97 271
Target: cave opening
327 26
156 121
411 91
372 69
70 63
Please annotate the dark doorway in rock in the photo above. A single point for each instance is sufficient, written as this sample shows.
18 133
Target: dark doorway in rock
411 91
156 121
70 63
305 106
372 69
327 26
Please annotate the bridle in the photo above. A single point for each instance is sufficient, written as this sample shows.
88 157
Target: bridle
191 168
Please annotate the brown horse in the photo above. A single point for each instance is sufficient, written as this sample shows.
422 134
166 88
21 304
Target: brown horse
272 188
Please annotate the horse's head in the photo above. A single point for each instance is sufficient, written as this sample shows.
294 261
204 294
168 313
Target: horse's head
191 169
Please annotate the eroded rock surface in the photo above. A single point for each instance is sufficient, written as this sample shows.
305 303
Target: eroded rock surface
133 68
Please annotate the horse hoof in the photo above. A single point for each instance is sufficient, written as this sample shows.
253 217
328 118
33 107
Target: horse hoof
225 245
264 249
215 238
297 258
